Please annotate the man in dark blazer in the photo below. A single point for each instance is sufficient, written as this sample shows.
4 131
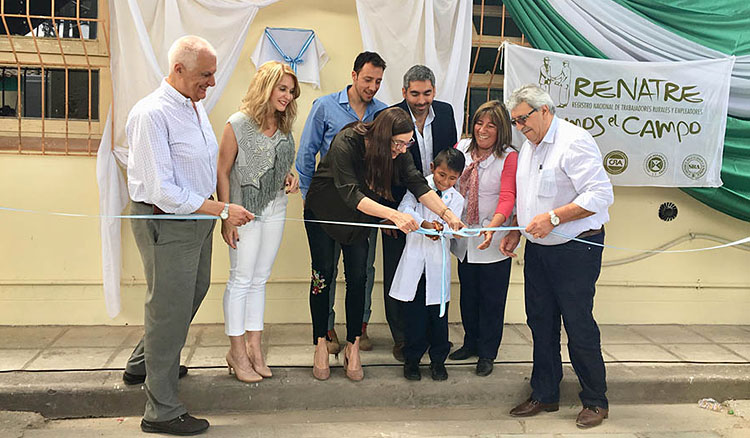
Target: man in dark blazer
434 130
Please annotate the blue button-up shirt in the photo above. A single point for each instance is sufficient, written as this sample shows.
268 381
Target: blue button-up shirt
328 115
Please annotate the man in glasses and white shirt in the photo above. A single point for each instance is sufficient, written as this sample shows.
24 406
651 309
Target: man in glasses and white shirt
561 186
434 131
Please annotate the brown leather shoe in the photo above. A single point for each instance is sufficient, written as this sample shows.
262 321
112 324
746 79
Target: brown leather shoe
398 351
591 416
365 344
532 407
333 345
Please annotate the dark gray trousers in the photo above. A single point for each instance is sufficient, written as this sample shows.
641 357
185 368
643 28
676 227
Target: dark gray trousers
176 258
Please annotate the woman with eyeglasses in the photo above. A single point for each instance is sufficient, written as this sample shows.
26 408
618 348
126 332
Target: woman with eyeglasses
350 185
488 185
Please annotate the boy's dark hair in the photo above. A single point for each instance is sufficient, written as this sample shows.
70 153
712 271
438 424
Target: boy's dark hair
452 157
371 57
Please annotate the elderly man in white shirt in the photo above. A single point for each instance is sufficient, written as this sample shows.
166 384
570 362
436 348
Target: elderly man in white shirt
561 186
172 170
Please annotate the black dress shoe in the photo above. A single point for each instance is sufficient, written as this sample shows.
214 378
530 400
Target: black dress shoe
462 353
438 371
185 424
484 367
137 379
411 371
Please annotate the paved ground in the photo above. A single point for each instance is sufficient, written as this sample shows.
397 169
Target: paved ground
630 421
108 347
75 372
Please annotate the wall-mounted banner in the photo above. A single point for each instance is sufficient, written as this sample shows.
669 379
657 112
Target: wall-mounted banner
656 123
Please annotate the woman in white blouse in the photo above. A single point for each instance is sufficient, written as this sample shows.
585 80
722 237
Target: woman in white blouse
488 185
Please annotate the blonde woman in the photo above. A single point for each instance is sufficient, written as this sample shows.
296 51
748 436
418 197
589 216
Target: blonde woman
255 158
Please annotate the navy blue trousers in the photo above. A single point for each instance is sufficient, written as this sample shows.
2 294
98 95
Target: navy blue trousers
484 289
560 282
425 329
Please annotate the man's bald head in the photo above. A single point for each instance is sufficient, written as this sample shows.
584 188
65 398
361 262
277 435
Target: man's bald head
185 50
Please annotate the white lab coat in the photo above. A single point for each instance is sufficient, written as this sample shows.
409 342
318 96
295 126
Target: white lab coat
490 171
424 255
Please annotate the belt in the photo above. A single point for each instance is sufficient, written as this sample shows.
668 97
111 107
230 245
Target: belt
158 210
590 233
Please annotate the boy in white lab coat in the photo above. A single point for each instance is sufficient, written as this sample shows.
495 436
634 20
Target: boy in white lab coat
417 280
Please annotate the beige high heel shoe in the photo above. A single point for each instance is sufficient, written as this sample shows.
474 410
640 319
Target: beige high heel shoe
321 355
254 352
263 370
356 373
243 375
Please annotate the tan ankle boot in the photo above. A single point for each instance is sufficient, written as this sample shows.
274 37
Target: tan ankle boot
321 369
352 362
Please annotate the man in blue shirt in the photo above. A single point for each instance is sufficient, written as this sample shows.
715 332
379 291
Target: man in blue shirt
328 115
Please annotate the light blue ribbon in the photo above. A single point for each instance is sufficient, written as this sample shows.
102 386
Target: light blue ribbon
118 216
293 62
444 287
465 232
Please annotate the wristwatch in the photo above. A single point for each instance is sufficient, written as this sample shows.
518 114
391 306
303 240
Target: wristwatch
554 220
225 212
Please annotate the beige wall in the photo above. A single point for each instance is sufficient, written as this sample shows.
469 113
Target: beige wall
50 267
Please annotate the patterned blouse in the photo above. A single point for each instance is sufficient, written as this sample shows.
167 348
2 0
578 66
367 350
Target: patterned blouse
261 166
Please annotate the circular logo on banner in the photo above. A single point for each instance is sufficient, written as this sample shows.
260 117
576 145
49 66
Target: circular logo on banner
694 166
655 164
615 162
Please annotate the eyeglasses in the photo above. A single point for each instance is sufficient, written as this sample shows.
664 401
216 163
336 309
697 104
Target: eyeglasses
401 144
522 119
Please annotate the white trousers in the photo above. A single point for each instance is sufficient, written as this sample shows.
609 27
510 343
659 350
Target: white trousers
250 267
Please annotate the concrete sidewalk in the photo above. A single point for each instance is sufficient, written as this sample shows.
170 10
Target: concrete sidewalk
76 371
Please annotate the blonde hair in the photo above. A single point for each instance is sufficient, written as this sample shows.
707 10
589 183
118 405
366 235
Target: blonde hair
256 103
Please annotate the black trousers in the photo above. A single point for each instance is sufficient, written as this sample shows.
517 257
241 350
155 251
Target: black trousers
425 329
394 309
560 281
323 255
484 289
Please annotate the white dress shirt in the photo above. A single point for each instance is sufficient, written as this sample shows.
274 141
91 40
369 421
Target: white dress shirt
566 166
490 172
173 151
424 140
423 255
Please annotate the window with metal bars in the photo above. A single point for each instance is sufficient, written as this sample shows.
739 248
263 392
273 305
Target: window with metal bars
52 59
55 103
26 17
491 26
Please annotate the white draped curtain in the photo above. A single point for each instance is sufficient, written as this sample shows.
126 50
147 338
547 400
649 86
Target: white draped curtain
141 33
620 33
435 33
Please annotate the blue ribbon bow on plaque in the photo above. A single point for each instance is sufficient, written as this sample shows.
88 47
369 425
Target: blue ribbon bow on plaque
293 62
